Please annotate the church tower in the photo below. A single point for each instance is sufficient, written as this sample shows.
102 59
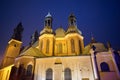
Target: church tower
74 37
47 37
48 21
13 47
72 20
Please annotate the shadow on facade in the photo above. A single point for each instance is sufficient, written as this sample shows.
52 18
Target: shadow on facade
117 59
21 73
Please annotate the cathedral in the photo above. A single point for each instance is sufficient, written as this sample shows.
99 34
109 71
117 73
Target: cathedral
58 55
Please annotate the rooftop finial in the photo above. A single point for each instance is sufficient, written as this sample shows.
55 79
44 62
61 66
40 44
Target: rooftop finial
92 38
108 44
71 15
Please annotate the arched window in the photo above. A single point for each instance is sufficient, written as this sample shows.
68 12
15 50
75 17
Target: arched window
49 23
49 74
104 67
67 74
29 70
72 22
47 46
60 48
72 45
80 47
45 22
41 45
21 69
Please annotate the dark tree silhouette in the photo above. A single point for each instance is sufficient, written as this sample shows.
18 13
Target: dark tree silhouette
17 34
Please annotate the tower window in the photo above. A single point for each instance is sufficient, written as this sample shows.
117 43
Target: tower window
104 67
49 74
80 47
48 22
60 47
72 45
15 45
47 46
45 23
41 45
72 22
67 74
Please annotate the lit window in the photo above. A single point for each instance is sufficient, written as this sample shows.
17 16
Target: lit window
60 48
49 74
41 45
85 78
47 46
72 45
67 74
80 48
104 67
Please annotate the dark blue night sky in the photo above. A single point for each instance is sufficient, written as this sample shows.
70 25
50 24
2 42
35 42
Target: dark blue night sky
101 18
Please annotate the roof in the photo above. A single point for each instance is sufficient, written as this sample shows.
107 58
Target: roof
73 29
32 51
35 44
48 15
27 47
46 30
99 47
60 32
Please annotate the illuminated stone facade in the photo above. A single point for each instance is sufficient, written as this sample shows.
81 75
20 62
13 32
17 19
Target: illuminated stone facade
59 55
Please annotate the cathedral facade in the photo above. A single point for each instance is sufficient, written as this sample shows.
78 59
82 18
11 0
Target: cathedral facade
58 55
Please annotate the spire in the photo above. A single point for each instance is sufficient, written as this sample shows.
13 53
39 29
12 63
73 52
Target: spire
34 37
48 15
72 20
17 34
93 40
47 24
48 20
108 45
72 28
